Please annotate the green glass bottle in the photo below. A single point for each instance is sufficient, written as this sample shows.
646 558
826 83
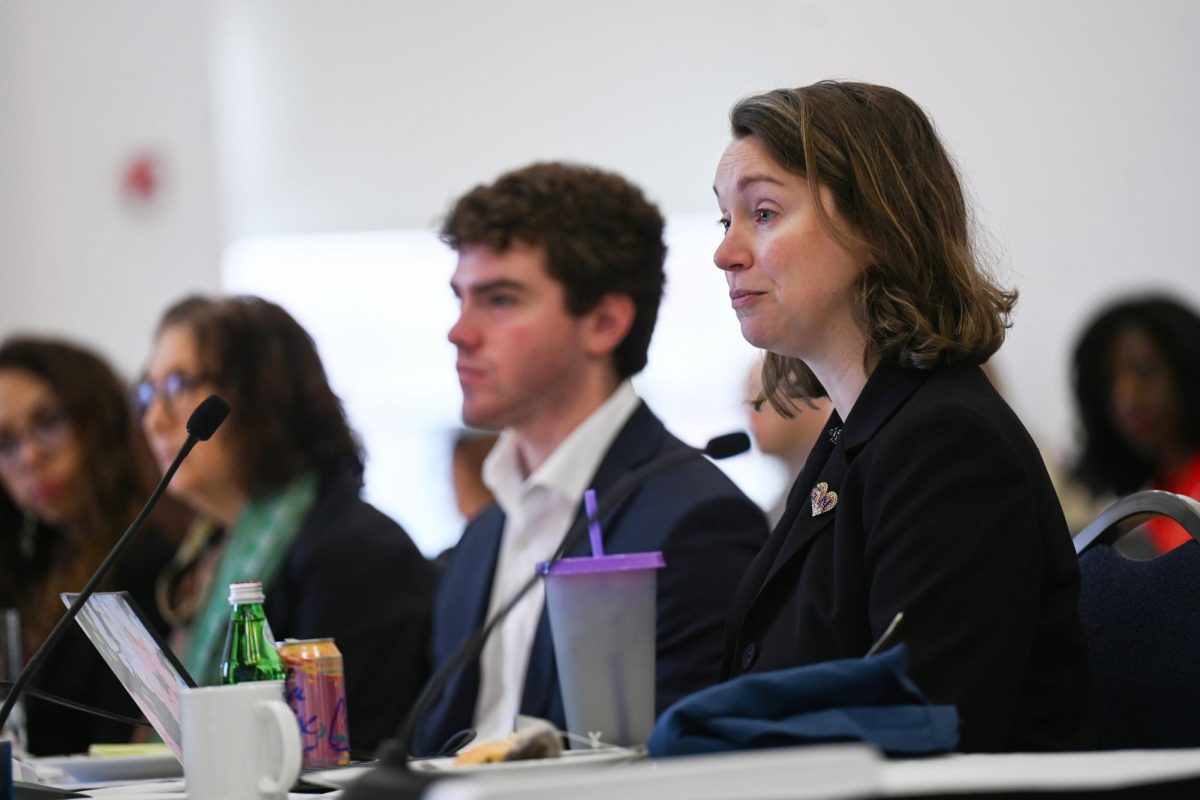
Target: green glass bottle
250 653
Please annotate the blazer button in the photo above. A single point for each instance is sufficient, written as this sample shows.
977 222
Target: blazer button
748 655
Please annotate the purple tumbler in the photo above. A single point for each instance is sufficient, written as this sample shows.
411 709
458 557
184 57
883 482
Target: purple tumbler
602 617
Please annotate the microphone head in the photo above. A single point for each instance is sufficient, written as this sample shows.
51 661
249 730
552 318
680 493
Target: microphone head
208 416
730 444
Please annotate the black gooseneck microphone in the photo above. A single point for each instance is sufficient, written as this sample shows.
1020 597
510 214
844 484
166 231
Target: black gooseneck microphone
393 778
201 425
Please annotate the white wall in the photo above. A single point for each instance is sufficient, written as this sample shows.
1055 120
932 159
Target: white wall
1074 123
84 87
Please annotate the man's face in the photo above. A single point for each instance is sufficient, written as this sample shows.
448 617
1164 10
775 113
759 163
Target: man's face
521 355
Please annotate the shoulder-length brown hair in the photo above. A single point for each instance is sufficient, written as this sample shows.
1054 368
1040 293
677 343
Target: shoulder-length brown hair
923 300
117 476
284 417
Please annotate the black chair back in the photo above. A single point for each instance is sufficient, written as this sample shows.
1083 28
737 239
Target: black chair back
1142 624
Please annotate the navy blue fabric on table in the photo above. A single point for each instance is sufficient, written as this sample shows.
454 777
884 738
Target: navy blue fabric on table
868 700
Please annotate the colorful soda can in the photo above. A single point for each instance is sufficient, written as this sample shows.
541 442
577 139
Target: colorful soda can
316 691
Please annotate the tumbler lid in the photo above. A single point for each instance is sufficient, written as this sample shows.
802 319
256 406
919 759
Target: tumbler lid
585 565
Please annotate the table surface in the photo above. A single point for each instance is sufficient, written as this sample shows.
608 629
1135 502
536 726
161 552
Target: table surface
832 771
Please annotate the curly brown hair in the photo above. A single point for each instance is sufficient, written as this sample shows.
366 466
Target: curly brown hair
923 300
600 233
118 475
284 416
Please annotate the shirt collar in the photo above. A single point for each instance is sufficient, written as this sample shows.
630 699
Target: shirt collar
571 466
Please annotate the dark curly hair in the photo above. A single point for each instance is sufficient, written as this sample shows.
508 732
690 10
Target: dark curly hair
600 233
118 475
284 416
923 300
1106 462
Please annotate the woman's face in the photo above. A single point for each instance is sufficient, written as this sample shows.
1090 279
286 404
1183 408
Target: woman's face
791 283
41 458
174 385
1143 396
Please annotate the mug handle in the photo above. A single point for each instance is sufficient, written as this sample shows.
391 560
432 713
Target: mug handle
278 712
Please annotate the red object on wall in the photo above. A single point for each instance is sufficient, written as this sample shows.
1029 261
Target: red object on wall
142 181
141 177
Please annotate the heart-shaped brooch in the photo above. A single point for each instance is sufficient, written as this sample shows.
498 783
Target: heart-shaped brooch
822 499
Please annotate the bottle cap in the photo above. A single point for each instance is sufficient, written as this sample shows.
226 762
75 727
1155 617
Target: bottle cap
246 592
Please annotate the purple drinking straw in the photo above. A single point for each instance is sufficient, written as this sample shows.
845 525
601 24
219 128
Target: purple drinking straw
589 505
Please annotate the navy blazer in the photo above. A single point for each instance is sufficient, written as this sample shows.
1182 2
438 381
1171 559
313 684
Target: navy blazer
944 511
352 573
707 530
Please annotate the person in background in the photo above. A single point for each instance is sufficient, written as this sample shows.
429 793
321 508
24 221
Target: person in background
471 494
1137 387
786 436
278 487
848 257
559 278
74 472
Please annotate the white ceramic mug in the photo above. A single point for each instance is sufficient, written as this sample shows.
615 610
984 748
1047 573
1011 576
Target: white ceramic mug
240 742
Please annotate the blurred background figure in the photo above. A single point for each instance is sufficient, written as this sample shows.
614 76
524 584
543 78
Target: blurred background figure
471 495
787 439
74 472
277 488
1137 386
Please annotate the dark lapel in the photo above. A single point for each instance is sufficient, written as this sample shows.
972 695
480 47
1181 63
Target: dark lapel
478 563
636 443
829 467
639 441
885 392
470 572
755 580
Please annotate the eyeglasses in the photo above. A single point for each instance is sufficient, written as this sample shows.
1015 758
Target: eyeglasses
175 389
48 428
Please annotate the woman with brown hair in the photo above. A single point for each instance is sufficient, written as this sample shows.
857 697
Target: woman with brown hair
74 472
277 488
848 257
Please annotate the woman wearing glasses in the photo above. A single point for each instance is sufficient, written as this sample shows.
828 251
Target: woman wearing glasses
277 489
74 472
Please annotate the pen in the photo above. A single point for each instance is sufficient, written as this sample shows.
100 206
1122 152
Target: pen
887 635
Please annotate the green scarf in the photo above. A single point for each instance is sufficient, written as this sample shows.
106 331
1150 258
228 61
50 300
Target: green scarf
254 551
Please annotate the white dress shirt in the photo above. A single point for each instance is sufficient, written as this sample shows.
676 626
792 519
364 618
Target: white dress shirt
538 510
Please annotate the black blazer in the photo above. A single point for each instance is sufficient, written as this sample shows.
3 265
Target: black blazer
352 573
944 511
707 530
